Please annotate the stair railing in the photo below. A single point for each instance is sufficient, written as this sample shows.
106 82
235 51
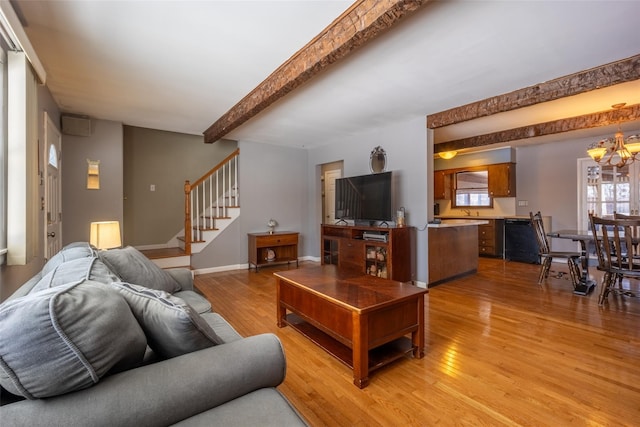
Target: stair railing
209 197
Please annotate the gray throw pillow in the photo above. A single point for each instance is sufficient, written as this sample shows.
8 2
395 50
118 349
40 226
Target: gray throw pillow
69 252
133 267
74 271
172 327
66 338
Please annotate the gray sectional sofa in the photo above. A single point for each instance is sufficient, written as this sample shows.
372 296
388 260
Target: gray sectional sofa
106 338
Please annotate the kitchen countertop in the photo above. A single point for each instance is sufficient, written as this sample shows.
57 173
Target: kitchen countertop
473 217
457 222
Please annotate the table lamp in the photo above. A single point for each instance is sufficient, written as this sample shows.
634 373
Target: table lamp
105 234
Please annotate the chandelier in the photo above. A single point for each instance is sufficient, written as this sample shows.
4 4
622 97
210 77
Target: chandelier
617 151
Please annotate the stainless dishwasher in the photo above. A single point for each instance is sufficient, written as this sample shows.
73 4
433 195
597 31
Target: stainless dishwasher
520 242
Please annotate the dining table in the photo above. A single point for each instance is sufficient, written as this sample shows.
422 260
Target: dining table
585 284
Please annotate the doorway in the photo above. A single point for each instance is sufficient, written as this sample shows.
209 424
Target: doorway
330 172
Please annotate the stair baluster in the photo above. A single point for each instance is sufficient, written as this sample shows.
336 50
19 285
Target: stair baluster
203 204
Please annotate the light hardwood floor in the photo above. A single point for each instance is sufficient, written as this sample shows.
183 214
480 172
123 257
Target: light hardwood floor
500 350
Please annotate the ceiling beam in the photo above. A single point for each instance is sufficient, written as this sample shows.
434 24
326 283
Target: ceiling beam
614 73
587 121
362 22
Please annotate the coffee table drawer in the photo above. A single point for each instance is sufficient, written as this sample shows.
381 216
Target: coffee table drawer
329 317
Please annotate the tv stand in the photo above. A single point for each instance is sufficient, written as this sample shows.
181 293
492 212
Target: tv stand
386 252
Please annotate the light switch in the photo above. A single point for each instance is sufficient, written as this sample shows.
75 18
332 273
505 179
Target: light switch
152 187
523 203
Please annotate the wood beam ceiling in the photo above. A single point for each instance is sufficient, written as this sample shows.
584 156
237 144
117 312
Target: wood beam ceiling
361 23
587 121
614 73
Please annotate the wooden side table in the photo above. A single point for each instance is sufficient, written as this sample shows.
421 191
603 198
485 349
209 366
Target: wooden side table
281 247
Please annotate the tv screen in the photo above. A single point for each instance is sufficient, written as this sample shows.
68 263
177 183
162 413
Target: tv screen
365 197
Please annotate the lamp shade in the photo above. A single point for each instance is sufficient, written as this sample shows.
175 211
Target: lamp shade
105 234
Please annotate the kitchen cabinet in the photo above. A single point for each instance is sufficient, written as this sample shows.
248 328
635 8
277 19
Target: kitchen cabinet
453 251
441 185
490 238
502 180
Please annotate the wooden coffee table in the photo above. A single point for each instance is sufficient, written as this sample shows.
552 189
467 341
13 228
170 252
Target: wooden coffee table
359 319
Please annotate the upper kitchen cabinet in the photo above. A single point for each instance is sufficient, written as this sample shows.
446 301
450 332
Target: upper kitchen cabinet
441 185
502 180
475 186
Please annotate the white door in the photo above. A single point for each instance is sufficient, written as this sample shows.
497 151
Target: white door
52 202
330 195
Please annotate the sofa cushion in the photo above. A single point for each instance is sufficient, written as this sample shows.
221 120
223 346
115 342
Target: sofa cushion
199 303
221 327
133 267
75 271
263 407
66 338
172 327
69 252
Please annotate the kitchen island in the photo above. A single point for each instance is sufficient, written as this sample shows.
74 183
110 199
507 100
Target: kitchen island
453 249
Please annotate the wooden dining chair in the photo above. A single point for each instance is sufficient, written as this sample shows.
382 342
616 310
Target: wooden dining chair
634 230
547 255
616 248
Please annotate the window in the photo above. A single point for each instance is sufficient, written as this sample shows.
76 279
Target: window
472 189
607 189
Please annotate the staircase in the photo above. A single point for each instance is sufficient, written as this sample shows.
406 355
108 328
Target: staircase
211 204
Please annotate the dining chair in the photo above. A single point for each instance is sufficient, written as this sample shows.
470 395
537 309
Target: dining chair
616 248
634 230
547 255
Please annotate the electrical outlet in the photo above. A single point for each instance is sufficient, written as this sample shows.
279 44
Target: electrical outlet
152 187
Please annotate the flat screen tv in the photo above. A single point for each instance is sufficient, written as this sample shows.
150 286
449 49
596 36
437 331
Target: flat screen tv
364 198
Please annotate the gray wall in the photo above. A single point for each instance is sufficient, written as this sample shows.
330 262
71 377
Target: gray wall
166 160
80 206
547 178
406 146
272 185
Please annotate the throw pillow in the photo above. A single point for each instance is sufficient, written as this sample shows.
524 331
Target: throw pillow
69 252
133 267
74 271
172 327
66 338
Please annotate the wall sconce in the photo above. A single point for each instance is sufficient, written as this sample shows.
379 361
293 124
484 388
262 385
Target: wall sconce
93 174
105 234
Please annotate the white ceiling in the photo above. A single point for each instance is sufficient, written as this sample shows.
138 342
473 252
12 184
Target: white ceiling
180 65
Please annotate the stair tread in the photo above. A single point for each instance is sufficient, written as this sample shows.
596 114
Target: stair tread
163 253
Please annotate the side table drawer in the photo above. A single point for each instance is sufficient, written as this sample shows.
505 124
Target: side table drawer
275 240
